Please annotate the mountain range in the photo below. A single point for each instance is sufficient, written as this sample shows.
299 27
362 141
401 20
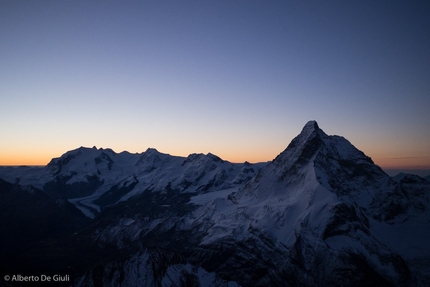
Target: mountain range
320 214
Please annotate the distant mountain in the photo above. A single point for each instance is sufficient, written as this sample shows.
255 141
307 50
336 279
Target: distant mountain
93 179
320 214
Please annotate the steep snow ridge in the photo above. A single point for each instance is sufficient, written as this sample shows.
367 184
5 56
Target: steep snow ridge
275 201
300 151
266 194
269 202
338 166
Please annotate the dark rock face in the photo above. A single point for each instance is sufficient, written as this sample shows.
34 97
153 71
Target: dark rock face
320 214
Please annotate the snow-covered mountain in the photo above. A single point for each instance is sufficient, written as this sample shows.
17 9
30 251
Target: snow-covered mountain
320 214
93 179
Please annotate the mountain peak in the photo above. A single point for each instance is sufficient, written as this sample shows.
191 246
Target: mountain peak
151 150
331 156
308 141
311 125
309 129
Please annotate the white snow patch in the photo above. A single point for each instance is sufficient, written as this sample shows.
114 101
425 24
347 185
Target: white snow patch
201 199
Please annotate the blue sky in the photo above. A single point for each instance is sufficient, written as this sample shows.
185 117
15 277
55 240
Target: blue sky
236 78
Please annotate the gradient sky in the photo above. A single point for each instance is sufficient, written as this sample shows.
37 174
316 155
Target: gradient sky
236 78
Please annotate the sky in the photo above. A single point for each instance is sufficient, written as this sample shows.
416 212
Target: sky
238 79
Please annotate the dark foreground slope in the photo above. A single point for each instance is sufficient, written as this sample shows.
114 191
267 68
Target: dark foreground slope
29 221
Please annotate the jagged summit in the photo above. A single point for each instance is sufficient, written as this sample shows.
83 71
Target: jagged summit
303 146
314 159
313 146
310 126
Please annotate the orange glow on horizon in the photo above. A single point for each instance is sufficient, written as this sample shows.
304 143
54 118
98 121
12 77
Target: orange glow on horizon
12 160
384 163
21 159
15 158
403 163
